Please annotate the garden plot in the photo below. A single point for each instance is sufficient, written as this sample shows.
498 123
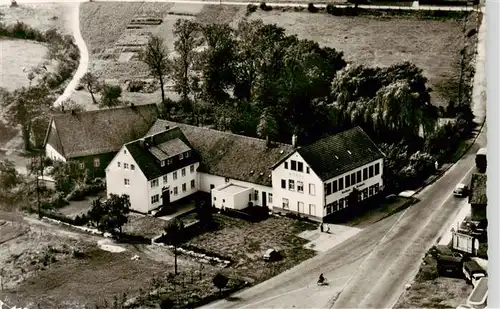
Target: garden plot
221 14
246 242
433 45
178 11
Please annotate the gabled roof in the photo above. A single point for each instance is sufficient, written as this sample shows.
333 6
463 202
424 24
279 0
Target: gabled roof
230 155
340 153
101 131
147 152
478 189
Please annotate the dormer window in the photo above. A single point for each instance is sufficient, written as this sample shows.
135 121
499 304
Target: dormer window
169 161
181 156
162 163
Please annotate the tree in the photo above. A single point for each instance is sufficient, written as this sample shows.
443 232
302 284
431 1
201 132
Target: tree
24 105
110 215
188 38
217 63
220 281
67 175
353 198
173 232
70 105
9 176
204 212
91 82
267 128
110 95
156 57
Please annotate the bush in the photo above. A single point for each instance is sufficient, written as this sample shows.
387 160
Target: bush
251 8
263 6
311 8
82 190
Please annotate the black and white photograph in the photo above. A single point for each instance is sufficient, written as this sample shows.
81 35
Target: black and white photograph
228 154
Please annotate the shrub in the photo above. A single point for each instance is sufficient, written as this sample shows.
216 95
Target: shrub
251 8
311 8
265 7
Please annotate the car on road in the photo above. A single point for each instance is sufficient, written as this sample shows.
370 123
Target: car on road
461 190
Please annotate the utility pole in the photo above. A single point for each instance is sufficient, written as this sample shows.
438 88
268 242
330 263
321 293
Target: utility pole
39 172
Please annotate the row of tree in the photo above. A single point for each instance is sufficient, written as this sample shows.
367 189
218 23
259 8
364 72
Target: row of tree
257 81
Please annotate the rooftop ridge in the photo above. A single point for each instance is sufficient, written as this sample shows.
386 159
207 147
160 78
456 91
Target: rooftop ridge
224 132
70 113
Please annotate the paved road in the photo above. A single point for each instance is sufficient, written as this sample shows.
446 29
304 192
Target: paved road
371 268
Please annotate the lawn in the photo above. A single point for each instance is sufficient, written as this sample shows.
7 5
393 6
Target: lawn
17 56
245 243
433 45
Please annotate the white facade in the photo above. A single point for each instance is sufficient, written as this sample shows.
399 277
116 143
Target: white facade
181 183
368 185
50 152
295 186
303 189
231 196
209 182
124 177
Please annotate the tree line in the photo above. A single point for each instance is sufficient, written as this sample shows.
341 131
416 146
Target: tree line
258 81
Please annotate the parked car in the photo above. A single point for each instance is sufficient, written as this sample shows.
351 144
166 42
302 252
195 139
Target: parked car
272 255
473 272
461 190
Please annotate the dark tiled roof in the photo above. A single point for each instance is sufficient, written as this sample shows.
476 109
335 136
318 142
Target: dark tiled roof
230 155
102 131
478 189
340 153
149 163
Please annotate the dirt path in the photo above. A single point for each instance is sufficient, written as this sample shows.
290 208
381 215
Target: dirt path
84 55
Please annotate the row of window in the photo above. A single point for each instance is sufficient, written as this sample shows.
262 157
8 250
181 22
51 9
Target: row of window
352 179
300 207
256 196
300 186
156 182
186 155
126 166
175 191
297 166
343 202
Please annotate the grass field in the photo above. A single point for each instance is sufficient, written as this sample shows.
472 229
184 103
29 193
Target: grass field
432 45
16 56
40 16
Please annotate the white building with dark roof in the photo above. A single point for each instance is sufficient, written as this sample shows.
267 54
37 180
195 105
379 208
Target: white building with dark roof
175 160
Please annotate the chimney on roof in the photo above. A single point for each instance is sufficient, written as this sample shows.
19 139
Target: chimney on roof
294 141
141 142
